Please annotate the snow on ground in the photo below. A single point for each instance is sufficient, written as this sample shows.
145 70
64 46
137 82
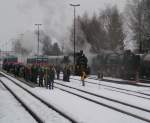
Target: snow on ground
146 91
85 111
77 80
116 96
107 92
109 78
120 80
11 111
123 86
46 114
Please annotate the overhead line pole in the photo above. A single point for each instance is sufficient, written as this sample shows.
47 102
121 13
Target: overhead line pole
38 36
74 6
21 52
38 33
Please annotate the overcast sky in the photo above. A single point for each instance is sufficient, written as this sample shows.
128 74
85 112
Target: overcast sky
19 16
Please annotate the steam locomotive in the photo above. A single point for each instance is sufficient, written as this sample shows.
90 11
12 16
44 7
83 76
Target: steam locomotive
81 63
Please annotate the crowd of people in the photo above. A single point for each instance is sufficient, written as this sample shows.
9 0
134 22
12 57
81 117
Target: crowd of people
41 75
44 75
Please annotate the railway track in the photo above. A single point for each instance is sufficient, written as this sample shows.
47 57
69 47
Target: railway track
107 102
125 82
101 96
118 89
39 109
38 119
138 85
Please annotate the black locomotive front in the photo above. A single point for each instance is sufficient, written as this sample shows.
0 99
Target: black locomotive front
81 63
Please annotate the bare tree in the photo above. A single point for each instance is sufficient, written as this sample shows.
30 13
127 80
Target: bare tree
18 48
94 32
80 37
47 46
56 49
113 25
146 26
101 32
139 17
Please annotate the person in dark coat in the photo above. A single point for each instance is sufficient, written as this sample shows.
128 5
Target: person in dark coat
32 69
46 76
28 73
68 74
51 77
41 76
58 71
64 73
34 72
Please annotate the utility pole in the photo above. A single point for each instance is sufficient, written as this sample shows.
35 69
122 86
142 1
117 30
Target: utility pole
21 50
38 37
62 48
74 7
6 47
6 51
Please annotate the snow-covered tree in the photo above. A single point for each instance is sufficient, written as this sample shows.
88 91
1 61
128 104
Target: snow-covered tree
113 25
139 17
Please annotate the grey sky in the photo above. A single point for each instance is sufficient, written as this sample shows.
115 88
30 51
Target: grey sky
18 16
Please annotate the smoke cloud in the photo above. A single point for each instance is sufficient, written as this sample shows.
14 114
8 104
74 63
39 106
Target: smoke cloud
53 16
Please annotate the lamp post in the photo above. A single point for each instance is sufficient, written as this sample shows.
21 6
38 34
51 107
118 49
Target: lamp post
74 7
38 37
21 50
